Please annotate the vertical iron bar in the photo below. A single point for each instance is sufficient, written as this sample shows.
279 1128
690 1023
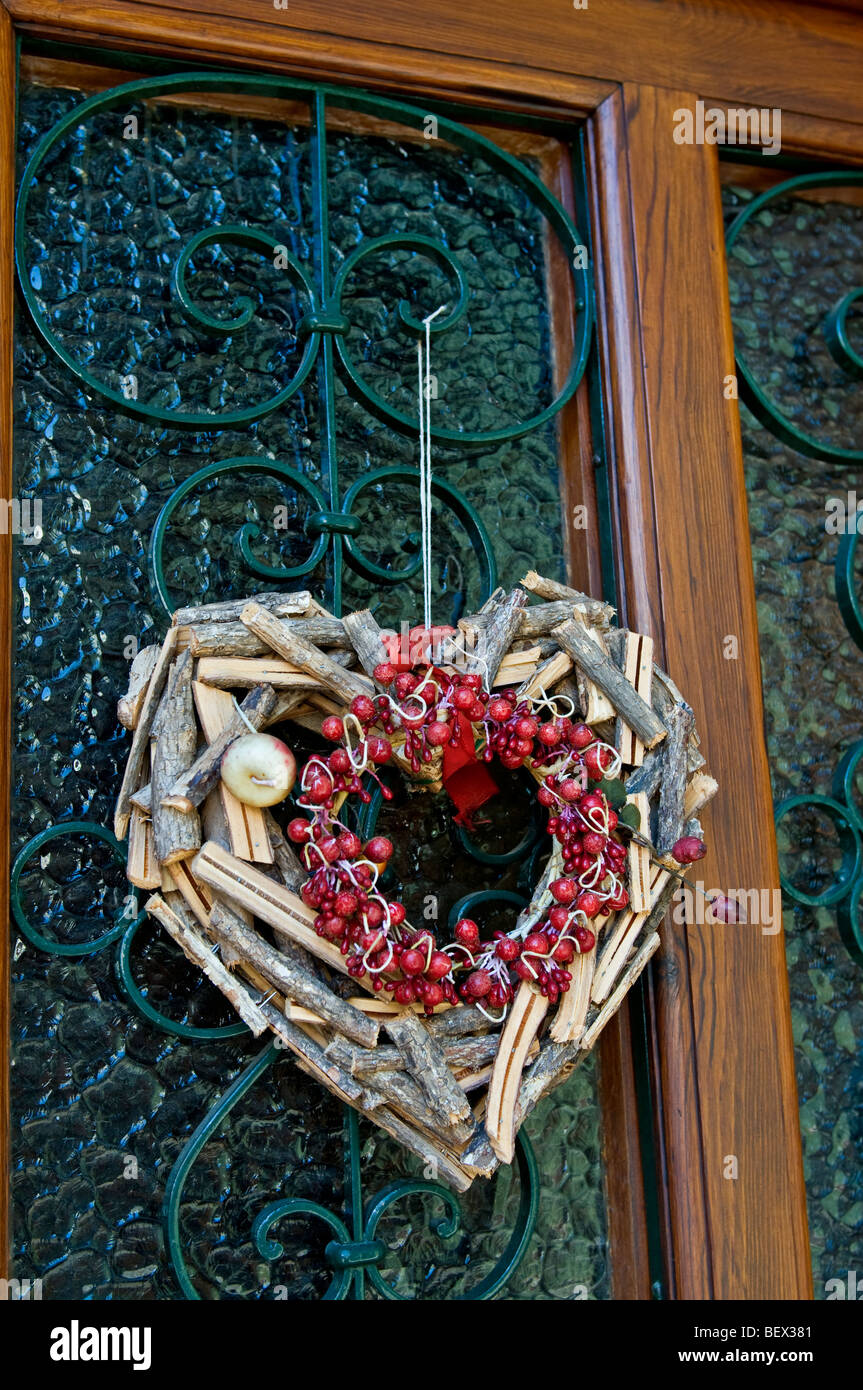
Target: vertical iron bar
326 366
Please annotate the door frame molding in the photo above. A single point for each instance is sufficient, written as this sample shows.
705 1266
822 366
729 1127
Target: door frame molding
717 1001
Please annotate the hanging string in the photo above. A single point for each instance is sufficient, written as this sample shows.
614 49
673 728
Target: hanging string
424 369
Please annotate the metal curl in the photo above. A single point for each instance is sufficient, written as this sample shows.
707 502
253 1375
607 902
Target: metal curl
264 466
31 848
759 402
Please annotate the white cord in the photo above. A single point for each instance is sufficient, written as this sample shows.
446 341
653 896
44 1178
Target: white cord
424 368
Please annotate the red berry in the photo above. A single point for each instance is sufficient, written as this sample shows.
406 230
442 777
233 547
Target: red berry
462 698
299 830
332 728
499 709
588 903
563 890
405 684
385 673
439 965
549 734
318 790
593 842
467 933
363 708
404 992
597 759
558 918
584 938
477 984
412 962
536 944
329 848
569 789
563 950
476 711
432 994
339 761
380 750
687 849
397 914
349 844
346 904
581 736
379 849
525 970
506 949
438 733
526 727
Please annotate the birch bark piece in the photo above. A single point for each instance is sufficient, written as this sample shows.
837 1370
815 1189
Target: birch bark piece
602 671
129 706
234 640
345 684
177 834
141 737
496 635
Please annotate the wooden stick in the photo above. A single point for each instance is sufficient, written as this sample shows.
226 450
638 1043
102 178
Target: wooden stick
344 684
638 669
234 673
638 857
364 635
233 639
282 605
196 783
593 609
554 1065
143 799
699 790
312 1058
141 737
597 666
461 1053
129 706
546 676
247 887
196 896
436 1158
177 833
573 1008
426 1062
402 1093
496 635
628 927
179 924
627 980
296 983
142 866
246 825
646 778
672 788
527 1011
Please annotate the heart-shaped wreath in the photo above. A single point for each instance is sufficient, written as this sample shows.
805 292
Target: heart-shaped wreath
292 922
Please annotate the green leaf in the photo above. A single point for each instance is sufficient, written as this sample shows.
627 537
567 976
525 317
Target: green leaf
629 816
613 790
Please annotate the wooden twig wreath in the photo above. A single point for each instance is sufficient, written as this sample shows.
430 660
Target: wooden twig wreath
290 922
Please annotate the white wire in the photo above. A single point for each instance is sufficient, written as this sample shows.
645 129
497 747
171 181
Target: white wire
424 366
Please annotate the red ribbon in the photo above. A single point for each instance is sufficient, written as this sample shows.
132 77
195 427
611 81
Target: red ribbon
468 781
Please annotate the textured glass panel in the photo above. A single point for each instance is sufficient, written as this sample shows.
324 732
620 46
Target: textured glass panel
104 1101
793 262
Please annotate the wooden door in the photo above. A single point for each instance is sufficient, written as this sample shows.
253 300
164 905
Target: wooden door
716 1017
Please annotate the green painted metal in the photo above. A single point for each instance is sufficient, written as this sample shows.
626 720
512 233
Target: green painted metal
751 391
335 532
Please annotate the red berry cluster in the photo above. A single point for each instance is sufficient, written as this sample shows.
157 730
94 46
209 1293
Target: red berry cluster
372 931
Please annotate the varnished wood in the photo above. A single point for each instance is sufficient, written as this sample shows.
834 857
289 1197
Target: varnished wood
7 200
792 55
726 1057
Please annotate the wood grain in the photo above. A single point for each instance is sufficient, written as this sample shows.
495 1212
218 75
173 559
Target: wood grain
727 1065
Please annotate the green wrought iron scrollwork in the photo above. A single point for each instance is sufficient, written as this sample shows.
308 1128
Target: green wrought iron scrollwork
333 527
759 401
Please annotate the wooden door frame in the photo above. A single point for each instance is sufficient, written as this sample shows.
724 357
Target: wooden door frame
723 1063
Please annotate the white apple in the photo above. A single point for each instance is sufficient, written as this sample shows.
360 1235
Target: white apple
259 769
